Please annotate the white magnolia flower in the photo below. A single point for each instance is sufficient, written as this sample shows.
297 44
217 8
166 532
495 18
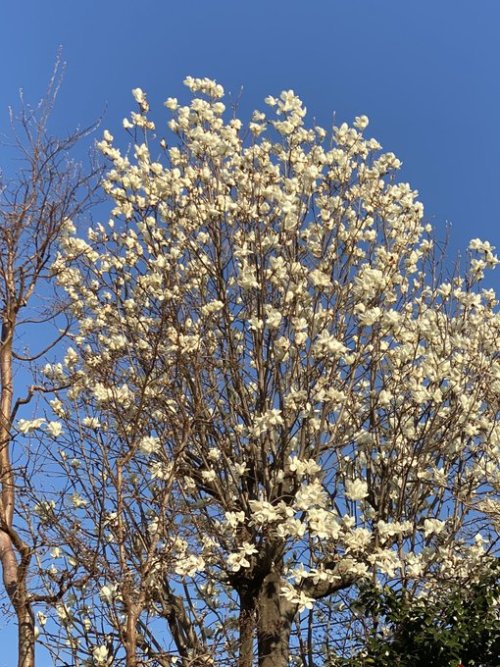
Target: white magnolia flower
235 518
214 454
100 655
301 467
139 95
42 618
361 122
91 422
239 469
63 612
358 540
311 495
77 501
433 527
356 489
29 425
208 475
149 444
108 592
55 428
297 597
266 421
326 344
189 566
237 560
264 512
171 103
273 318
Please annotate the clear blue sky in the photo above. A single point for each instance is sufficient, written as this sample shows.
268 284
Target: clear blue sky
426 72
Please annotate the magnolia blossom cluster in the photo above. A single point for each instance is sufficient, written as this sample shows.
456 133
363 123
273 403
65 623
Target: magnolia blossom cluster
260 332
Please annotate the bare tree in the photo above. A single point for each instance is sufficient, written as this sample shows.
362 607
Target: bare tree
37 203
277 394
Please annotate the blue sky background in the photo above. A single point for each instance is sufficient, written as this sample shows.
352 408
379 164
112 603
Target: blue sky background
426 72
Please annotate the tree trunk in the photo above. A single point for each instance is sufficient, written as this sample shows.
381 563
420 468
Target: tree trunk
14 575
190 646
274 623
131 640
26 636
246 627
15 587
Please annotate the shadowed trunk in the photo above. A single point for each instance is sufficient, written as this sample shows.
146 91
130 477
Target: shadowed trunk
274 623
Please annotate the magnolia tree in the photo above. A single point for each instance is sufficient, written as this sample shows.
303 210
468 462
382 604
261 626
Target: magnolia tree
277 395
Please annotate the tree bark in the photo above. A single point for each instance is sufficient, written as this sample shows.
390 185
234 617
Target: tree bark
247 627
14 575
26 633
190 646
274 623
16 590
131 639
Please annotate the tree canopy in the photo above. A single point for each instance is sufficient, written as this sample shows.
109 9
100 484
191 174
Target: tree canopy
277 391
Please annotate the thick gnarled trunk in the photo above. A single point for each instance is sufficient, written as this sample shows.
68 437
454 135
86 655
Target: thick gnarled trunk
274 623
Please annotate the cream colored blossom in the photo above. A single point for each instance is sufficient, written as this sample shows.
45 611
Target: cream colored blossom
149 444
240 559
297 597
433 527
55 429
189 566
356 489
361 122
29 425
77 501
100 655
